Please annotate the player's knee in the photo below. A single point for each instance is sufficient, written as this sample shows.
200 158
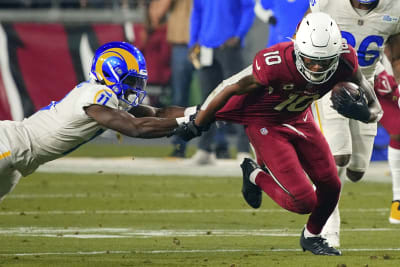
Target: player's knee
342 160
354 176
394 141
305 204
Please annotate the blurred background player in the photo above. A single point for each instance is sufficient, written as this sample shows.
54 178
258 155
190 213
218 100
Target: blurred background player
272 99
217 32
111 99
366 25
283 16
387 90
177 14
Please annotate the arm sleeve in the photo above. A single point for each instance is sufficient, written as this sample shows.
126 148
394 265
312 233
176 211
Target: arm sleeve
268 4
247 18
260 69
195 22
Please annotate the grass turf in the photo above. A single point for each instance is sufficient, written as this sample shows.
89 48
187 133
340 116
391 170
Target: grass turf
128 220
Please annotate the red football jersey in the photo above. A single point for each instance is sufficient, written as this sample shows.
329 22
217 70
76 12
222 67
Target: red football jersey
286 94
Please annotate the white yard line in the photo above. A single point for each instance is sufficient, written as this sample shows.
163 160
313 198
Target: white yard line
187 251
377 171
120 195
165 211
93 233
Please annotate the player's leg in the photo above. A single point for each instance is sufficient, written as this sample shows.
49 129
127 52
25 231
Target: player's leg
9 177
318 162
286 182
394 164
391 122
363 136
283 178
336 130
209 78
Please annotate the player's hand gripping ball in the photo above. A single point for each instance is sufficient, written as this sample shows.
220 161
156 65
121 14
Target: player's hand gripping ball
349 100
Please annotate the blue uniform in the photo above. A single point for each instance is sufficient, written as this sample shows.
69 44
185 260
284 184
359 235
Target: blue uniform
213 22
288 14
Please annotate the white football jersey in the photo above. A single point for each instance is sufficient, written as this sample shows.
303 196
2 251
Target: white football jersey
366 32
57 129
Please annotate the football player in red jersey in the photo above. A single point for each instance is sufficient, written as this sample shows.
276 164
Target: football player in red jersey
272 98
387 91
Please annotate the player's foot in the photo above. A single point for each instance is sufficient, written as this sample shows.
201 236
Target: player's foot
395 212
222 152
332 238
318 246
251 192
202 157
177 153
240 156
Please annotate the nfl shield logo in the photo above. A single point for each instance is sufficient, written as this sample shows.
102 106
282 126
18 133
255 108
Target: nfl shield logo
264 131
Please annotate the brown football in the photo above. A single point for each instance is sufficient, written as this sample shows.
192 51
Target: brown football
350 87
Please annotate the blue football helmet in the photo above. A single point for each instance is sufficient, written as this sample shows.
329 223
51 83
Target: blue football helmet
367 1
121 67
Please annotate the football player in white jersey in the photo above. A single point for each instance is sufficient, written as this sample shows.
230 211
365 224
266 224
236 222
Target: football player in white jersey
367 25
111 99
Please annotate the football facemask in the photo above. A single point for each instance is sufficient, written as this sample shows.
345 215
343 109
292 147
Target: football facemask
318 69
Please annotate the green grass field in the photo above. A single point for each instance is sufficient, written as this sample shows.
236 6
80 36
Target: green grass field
128 220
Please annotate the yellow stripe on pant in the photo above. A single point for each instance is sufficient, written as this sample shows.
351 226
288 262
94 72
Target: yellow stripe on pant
5 155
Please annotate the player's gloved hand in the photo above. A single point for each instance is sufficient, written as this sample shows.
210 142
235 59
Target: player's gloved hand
385 84
188 130
351 107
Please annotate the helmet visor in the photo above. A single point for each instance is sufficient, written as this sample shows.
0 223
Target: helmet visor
367 1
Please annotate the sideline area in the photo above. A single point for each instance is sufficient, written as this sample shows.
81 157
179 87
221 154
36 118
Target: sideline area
378 170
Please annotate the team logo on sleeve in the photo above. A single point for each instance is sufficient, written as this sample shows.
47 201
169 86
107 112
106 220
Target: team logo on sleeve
102 97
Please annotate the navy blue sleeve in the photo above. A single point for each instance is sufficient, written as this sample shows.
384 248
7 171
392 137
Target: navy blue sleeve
195 22
267 4
247 18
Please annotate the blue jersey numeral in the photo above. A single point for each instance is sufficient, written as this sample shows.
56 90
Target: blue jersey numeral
365 57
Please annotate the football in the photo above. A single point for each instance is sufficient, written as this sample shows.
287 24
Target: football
351 88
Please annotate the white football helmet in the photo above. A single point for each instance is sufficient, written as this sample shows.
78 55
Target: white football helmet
317 47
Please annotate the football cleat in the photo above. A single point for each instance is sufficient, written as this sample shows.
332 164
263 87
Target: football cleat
332 238
202 157
251 192
318 246
395 212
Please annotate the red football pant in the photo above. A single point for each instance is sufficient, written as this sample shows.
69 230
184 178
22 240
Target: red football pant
291 152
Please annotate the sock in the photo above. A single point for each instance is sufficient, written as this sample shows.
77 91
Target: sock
332 225
394 164
253 175
342 173
308 234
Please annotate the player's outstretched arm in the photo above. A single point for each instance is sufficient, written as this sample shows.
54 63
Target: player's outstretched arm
392 50
165 112
127 124
218 98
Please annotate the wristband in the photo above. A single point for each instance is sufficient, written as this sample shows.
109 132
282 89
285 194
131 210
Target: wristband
190 111
182 120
